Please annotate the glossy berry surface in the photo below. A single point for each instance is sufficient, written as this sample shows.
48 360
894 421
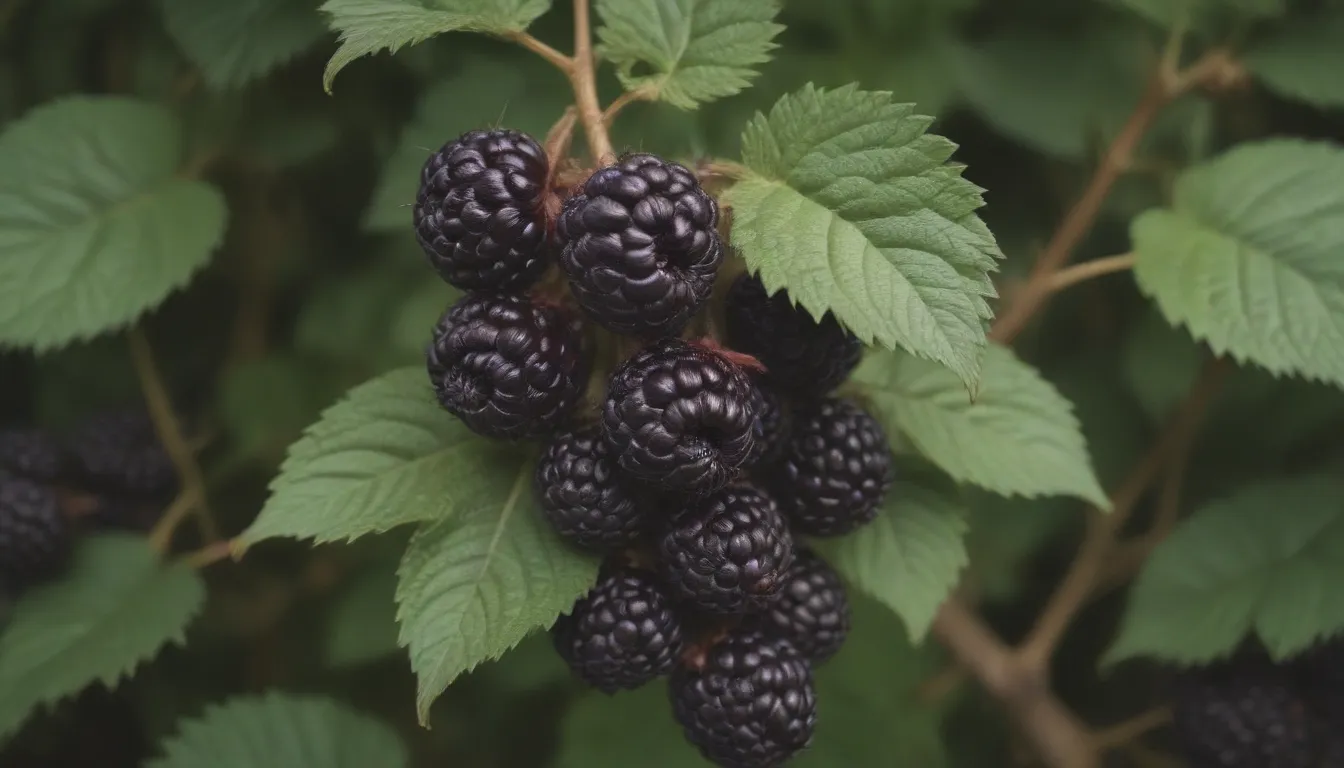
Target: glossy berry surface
478 214
35 538
583 496
774 424
812 612
622 634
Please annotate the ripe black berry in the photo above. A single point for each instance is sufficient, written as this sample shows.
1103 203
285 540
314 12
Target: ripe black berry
771 430
812 611
640 245
835 471
727 553
1245 715
34 535
478 213
679 416
32 454
582 496
751 705
118 452
508 367
802 357
622 634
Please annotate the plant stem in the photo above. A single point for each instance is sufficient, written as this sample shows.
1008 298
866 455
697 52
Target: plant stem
559 60
1123 733
623 101
583 78
209 554
161 536
1070 276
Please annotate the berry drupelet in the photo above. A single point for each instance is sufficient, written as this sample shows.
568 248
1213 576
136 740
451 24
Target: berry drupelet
812 612
774 424
623 634
506 366
35 538
640 246
478 215
31 453
118 453
727 553
679 416
835 471
751 704
802 357
582 495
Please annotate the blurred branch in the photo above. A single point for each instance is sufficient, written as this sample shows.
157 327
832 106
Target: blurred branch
208 555
1130 730
1070 276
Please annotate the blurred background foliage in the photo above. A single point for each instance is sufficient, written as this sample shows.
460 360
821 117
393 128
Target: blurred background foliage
320 285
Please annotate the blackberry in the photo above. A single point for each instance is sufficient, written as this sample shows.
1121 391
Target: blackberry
1245 715
802 356
582 496
478 214
770 431
835 471
31 453
508 367
751 704
35 538
118 452
622 634
640 245
679 416
812 612
727 553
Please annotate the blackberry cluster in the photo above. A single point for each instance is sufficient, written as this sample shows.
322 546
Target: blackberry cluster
698 465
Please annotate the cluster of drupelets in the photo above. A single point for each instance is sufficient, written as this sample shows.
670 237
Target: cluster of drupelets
700 465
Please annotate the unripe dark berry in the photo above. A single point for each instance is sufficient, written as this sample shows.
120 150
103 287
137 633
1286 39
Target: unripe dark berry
622 634
640 245
678 416
802 357
35 538
583 496
478 214
812 611
835 471
506 366
727 553
751 704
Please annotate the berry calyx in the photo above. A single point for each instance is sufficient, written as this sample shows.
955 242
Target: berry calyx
727 553
622 634
506 366
478 214
836 470
582 495
679 416
812 612
640 245
35 538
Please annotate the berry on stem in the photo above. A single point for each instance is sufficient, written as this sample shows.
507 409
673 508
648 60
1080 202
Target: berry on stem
35 538
478 214
506 366
835 471
640 245
727 553
31 453
679 416
118 452
771 430
622 634
750 705
812 611
582 496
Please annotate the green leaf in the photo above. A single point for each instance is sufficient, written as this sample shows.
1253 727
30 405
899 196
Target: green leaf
386 455
1303 59
115 608
266 403
629 728
853 207
96 224
1019 437
911 556
364 619
370 26
237 42
283 731
1247 256
1267 560
473 586
699 50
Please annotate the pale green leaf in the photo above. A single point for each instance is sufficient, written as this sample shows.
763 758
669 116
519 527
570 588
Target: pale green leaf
364 619
698 50
1018 437
370 26
853 208
96 224
114 609
385 456
1247 257
233 43
1303 59
473 586
281 730
1267 561
911 556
